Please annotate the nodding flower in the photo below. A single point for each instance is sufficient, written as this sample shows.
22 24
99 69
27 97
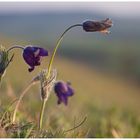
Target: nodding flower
63 91
4 60
97 26
32 56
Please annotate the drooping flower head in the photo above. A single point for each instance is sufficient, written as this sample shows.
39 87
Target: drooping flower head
97 26
32 56
63 91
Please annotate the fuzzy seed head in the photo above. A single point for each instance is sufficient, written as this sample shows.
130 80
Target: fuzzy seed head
46 84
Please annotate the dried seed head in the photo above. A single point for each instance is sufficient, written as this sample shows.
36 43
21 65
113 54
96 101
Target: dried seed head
4 61
47 83
98 26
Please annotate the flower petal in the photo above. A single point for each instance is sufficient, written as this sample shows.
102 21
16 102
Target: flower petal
28 57
70 91
63 91
32 56
31 69
64 99
43 52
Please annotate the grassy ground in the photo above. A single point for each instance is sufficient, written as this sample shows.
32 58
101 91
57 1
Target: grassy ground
105 105
110 104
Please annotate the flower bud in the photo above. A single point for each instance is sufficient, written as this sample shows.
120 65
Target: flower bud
97 26
4 61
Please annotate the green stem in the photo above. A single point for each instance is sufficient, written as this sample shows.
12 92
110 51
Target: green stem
15 47
49 70
20 99
57 46
76 126
42 113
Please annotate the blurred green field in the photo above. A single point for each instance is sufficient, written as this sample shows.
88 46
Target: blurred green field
110 102
104 70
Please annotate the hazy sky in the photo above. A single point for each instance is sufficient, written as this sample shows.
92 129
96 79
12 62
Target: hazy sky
117 8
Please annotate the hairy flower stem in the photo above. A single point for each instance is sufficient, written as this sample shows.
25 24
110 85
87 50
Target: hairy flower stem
57 46
15 47
19 100
49 70
42 113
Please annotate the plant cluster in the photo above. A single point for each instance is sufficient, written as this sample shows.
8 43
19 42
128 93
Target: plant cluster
47 78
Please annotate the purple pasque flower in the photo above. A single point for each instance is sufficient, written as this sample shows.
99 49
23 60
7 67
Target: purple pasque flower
97 26
63 91
32 56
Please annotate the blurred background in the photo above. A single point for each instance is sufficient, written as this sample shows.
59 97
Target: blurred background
104 69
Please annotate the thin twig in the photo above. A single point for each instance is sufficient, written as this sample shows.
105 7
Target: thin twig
76 126
7 109
20 98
